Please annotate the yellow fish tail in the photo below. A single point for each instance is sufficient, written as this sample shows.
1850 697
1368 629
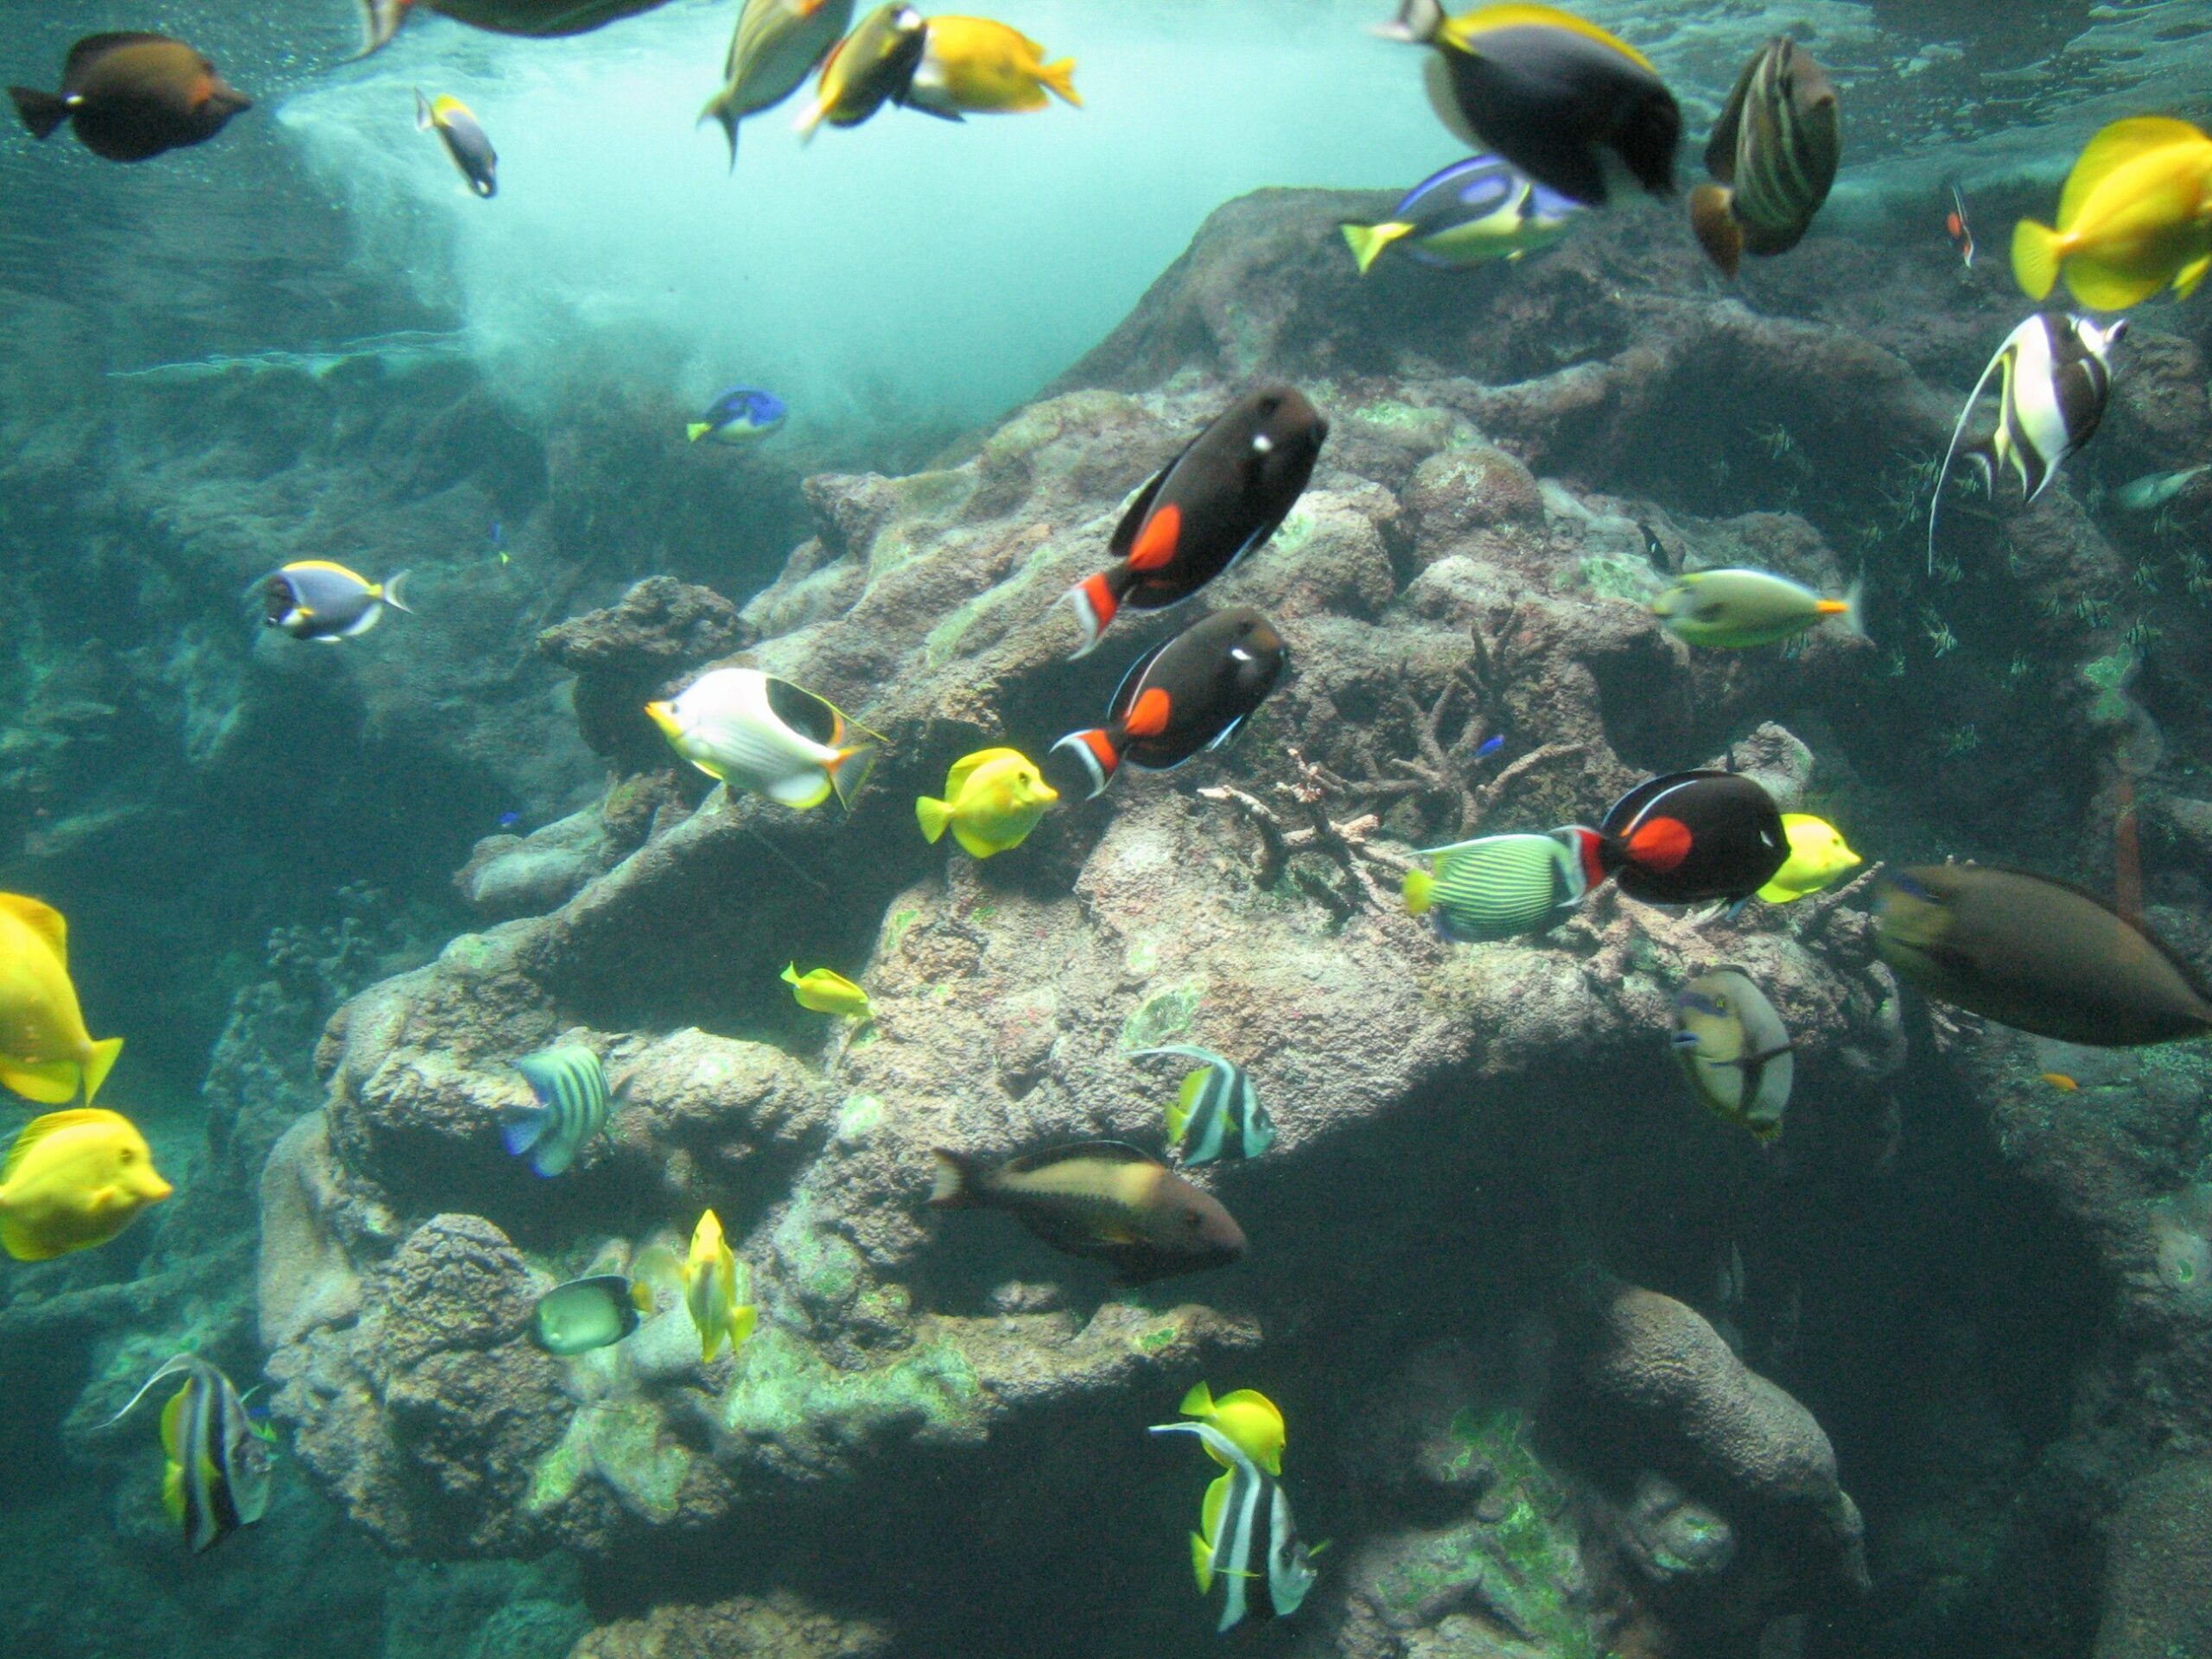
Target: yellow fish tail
697 429
1418 883
2186 278
1198 1402
1060 80
1367 242
934 815
97 1061
54 1082
2036 253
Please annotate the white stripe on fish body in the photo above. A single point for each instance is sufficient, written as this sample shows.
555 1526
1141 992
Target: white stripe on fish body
1232 1551
729 731
2032 414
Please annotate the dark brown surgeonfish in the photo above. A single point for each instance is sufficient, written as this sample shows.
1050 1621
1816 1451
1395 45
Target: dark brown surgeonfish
1100 1198
2036 955
539 19
1774 151
131 97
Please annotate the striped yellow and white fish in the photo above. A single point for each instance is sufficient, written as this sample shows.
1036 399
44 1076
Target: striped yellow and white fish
1247 1538
1774 151
217 1477
1735 1051
1501 887
2055 379
573 1103
717 1290
457 128
750 730
1217 1113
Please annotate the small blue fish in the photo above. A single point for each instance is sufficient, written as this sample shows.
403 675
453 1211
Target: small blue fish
1489 746
572 1107
508 820
739 416
1217 1113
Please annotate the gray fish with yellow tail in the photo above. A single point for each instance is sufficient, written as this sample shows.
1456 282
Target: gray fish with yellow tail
1501 887
572 1106
1101 1199
1735 1051
1774 151
777 44
457 128
2035 954
1247 1538
1216 1114
218 1459
587 1314
315 598
2055 380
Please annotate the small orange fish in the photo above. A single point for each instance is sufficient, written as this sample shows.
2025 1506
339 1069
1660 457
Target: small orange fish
1956 227
2061 1082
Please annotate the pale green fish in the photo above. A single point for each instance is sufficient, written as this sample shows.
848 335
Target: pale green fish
587 1314
1734 1050
718 1291
1735 608
1501 886
217 1476
573 1103
777 43
2154 490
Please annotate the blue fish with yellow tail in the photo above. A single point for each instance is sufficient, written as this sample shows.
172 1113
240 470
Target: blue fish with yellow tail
740 416
1473 211
1217 1113
217 1476
573 1103
1247 1537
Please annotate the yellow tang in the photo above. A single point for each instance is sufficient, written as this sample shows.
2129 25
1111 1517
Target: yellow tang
2136 215
1817 856
1247 1417
824 992
976 66
715 1289
74 1180
45 1050
993 799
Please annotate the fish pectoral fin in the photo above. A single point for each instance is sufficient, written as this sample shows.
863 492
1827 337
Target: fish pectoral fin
975 845
2187 279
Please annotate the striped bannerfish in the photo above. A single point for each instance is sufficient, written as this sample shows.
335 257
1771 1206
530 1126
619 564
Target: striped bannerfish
572 1107
216 1479
1774 150
2057 378
1218 1113
1247 1538
1501 886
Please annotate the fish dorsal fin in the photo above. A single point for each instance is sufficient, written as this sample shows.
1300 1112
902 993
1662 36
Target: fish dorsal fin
1465 33
1720 148
173 1424
1106 1152
94 46
42 919
53 1123
1217 1501
168 1367
969 764
2000 359
2115 147
1124 696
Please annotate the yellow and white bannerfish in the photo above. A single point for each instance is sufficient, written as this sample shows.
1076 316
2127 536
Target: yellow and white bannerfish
750 730
971 65
46 1053
717 1290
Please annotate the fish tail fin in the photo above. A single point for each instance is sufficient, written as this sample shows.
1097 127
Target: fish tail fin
1713 221
1417 22
1854 612
741 1321
1198 1402
850 768
521 1127
1095 602
381 21
1367 242
100 1058
935 814
54 1083
2035 258
790 975
1418 892
1100 754
1059 80
425 117
698 429
720 110
394 594
41 111
959 1180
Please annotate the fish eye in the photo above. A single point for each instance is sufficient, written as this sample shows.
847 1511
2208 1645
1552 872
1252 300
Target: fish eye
1720 1005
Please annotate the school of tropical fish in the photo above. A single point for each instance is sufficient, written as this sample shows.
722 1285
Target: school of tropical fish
1562 117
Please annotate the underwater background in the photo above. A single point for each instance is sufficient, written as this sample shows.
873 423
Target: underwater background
1571 1366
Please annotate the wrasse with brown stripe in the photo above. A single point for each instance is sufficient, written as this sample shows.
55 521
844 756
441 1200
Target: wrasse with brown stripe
1187 695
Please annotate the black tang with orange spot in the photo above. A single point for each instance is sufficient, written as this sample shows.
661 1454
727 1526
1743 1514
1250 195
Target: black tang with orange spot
1224 495
1188 695
1691 836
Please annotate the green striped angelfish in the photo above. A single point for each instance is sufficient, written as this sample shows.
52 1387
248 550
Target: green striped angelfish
1501 886
217 1477
1247 1538
1217 1113
572 1107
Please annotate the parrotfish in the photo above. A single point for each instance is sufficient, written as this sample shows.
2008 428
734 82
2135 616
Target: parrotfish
1247 1538
1099 1199
1559 98
1501 887
751 730
1184 697
1474 211
129 97
1734 1050
1251 1421
740 416
993 799
219 1463
1692 836
315 598
572 1107
457 128
1216 1114
718 1291
1774 151
46 1053
2057 378
535 19
871 67
72 1180
1818 855
971 65
1222 497
777 44
2035 954
1738 609
2136 215
587 1314
821 991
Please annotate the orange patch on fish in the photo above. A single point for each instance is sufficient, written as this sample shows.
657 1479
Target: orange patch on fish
1661 844
1147 717
1156 546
